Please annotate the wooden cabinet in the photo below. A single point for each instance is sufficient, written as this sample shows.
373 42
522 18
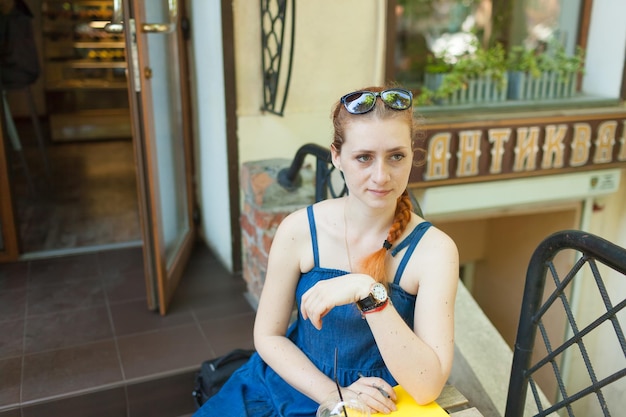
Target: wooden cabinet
84 71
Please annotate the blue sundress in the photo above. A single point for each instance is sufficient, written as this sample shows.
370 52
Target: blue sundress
255 390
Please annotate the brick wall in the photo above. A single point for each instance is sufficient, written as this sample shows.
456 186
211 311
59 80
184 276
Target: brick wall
265 204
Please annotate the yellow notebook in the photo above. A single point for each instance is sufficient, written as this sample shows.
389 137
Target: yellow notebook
407 407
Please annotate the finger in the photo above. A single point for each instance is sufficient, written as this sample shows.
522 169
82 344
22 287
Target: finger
381 399
317 324
313 318
372 398
304 312
363 399
382 391
386 391
381 386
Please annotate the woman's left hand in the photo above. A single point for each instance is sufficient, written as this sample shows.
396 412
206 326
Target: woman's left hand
329 293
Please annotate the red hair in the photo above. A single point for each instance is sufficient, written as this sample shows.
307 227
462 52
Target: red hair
375 264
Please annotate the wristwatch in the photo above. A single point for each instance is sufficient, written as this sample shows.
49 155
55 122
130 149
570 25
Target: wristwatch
376 300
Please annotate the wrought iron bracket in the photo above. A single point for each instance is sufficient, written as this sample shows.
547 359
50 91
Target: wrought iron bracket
274 20
290 180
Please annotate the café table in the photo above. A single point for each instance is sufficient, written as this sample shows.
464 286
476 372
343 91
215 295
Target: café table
455 403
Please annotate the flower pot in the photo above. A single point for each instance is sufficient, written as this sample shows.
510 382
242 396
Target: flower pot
482 89
549 85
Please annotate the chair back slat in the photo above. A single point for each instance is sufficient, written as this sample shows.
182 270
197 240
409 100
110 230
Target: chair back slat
538 302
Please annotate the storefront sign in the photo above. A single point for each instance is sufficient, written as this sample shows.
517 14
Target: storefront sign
470 152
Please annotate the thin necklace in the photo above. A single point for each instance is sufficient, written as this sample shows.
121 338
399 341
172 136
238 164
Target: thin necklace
345 235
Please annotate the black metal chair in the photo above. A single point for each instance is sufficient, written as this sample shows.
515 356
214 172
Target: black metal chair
552 363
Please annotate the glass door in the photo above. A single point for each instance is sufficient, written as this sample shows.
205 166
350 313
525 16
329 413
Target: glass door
8 235
159 110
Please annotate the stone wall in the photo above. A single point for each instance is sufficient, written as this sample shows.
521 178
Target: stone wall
265 204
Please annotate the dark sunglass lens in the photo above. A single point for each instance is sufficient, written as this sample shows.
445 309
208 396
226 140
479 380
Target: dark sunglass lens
361 102
397 99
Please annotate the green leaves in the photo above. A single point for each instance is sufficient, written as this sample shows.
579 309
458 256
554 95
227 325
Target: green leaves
554 58
494 63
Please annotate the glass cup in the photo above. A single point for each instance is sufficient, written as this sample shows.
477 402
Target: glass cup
351 406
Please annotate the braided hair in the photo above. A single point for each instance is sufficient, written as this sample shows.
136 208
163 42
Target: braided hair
375 264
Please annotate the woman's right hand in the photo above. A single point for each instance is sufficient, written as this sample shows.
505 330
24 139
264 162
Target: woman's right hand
376 393
329 293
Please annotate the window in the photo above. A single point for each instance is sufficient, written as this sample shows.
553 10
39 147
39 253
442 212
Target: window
436 35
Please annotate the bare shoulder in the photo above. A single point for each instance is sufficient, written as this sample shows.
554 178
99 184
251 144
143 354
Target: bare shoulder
292 243
288 248
299 219
437 250
437 240
438 256
435 259
293 226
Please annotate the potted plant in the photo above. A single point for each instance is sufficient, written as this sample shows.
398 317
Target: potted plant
475 77
550 74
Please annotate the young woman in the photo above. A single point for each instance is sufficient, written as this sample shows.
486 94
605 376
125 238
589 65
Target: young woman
373 283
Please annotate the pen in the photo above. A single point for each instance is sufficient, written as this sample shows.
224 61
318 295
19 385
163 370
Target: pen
380 389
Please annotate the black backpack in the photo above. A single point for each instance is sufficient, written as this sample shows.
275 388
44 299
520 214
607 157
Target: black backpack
19 62
215 372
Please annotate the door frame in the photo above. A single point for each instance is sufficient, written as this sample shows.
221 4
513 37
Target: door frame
232 144
10 252
160 282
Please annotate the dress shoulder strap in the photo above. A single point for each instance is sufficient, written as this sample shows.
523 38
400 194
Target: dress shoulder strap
316 256
410 242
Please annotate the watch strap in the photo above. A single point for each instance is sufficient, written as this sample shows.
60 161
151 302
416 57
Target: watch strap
372 301
366 303
374 309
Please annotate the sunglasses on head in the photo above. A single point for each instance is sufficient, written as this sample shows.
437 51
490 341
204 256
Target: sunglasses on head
361 102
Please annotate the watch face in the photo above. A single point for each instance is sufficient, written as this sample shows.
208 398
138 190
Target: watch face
379 292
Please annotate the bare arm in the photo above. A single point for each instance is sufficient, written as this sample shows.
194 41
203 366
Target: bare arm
290 246
420 359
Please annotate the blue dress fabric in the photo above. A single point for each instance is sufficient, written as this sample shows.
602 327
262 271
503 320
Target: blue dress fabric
255 390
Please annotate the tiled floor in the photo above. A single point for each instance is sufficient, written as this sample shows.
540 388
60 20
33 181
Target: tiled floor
76 335
89 196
